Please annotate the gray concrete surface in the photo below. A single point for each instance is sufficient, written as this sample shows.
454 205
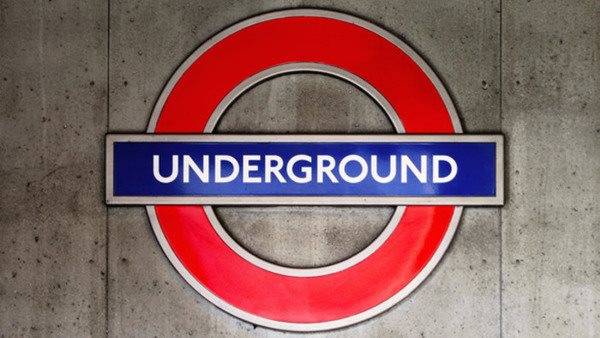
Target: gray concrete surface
551 222
52 125
72 71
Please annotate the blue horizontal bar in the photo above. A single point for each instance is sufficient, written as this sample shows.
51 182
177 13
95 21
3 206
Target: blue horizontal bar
135 172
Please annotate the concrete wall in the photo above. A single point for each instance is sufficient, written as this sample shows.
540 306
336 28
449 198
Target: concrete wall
71 71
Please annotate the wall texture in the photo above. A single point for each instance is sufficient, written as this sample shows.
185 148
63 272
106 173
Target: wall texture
71 71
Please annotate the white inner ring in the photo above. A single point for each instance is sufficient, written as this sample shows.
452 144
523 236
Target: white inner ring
311 68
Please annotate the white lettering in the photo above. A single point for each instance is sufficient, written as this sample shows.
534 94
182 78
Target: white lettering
247 168
364 169
420 174
325 169
271 169
156 169
436 168
234 163
392 173
188 163
306 170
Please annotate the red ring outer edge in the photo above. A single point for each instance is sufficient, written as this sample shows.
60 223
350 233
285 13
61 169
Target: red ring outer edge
304 39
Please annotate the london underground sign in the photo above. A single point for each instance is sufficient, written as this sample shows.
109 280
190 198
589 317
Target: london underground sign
429 170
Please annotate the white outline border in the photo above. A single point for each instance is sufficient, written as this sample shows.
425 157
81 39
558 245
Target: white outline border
497 199
305 327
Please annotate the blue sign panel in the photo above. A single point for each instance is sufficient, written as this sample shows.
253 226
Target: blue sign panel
287 169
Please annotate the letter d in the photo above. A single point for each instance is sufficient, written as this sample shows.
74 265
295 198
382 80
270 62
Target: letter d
436 168
234 163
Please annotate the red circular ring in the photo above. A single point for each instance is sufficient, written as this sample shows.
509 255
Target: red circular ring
255 48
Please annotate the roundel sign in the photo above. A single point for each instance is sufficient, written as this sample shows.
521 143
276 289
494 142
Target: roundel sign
179 170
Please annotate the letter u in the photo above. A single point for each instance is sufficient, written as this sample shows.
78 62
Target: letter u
156 169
